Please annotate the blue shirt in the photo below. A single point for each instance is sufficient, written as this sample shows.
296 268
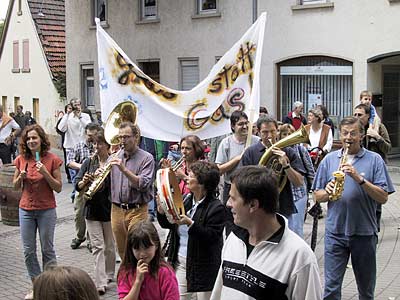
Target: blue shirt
355 212
252 156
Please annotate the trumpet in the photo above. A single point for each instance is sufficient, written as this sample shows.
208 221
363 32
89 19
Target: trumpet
96 184
339 177
178 164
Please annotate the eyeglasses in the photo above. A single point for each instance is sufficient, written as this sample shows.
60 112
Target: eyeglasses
124 137
358 115
352 133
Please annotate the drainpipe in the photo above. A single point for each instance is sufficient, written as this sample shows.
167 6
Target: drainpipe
254 10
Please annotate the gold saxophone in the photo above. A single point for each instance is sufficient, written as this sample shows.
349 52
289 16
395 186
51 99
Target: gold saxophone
96 184
339 177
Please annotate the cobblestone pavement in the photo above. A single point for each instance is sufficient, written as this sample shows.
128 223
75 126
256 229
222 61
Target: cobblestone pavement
14 283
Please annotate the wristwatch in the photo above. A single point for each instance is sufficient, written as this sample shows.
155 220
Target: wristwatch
362 181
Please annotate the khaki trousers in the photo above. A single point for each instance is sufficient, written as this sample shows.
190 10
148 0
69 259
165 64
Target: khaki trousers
103 248
122 220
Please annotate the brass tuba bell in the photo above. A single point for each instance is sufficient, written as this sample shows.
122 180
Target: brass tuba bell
271 161
124 112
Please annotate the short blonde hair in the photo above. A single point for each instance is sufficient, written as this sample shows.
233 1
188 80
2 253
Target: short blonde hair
317 113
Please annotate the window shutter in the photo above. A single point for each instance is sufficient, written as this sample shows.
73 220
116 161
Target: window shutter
25 56
190 74
16 55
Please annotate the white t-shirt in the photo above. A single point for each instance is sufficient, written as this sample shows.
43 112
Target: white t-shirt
6 131
315 136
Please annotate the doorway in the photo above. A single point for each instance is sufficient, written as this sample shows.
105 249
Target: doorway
391 104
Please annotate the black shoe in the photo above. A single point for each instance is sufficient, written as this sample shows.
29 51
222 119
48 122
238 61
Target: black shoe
76 243
89 247
101 290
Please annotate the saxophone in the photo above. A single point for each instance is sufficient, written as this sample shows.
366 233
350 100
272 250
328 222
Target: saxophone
92 159
339 177
96 184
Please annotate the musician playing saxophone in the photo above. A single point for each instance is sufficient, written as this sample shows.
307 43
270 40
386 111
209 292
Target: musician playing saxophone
98 213
351 225
132 176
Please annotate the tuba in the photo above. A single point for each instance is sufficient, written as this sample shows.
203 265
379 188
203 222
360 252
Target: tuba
270 160
123 112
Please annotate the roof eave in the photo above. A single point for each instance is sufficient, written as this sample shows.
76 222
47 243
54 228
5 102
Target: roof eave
6 24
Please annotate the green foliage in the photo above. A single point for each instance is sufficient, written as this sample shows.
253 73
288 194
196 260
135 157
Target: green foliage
61 84
1 28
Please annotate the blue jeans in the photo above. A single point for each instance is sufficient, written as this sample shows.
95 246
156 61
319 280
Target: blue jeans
152 208
296 221
30 222
362 249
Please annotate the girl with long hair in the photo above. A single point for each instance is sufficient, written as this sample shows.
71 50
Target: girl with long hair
143 273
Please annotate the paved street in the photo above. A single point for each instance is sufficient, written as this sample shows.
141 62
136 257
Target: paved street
14 282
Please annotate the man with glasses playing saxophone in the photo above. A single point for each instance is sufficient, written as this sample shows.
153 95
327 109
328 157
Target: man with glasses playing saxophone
132 177
351 225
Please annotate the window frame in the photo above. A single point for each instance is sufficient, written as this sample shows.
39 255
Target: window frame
94 5
200 10
84 91
140 63
142 16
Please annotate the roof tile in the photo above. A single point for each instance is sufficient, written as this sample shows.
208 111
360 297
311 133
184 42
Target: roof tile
51 29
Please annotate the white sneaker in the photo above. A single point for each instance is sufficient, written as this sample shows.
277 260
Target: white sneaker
29 296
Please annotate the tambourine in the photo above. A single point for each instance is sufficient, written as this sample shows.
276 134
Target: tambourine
170 195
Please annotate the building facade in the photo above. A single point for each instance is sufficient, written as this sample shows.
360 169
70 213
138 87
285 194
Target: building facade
32 60
315 51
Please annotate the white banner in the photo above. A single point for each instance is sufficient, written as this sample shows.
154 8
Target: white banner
167 114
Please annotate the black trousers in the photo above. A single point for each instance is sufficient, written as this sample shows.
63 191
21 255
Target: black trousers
5 153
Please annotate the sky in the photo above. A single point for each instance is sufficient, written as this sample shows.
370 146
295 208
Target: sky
3 8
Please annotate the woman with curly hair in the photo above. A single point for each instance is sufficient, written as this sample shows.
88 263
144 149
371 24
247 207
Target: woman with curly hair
194 243
38 174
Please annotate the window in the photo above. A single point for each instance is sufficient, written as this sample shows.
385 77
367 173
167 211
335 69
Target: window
15 68
87 75
148 9
189 73
36 110
151 69
16 103
207 6
315 80
4 104
99 8
25 56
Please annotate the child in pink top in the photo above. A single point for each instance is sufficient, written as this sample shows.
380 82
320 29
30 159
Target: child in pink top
143 273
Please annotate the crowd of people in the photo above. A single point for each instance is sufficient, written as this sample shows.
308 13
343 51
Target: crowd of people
241 233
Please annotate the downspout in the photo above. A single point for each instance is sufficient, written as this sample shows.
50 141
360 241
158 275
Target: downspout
254 10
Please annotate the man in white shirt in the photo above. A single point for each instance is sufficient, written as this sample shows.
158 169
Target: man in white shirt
266 260
9 130
73 124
